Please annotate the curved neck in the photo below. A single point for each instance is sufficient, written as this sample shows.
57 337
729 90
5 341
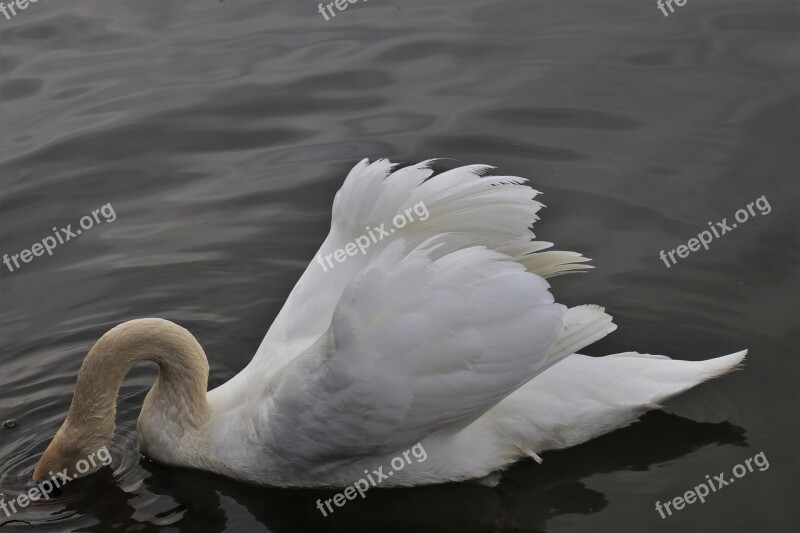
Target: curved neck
178 394
176 405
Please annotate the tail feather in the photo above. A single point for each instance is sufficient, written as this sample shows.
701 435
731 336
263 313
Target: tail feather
658 378
583 397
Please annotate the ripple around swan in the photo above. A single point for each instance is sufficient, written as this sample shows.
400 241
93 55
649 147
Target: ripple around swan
220 132
55 513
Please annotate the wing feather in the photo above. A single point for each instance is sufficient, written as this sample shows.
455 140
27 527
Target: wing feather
419 341
471 207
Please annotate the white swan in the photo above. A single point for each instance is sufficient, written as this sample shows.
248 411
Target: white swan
443 332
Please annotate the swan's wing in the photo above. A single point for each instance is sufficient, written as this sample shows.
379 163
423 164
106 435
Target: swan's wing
420 340
473 209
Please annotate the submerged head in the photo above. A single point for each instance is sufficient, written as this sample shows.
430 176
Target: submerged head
69 458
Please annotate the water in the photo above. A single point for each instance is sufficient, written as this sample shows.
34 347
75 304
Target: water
219 133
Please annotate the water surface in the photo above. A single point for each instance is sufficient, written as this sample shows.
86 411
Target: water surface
220 131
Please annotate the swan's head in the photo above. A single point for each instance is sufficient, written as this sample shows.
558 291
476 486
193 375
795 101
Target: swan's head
72 455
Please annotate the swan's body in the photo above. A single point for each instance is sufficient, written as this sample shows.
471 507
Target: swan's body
443 333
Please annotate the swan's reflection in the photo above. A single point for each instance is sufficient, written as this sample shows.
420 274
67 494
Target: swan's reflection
151 497
528 496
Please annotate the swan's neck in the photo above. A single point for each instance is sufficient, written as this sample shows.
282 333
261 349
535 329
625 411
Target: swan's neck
175 408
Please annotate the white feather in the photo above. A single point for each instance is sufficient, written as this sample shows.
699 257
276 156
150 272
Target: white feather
443 333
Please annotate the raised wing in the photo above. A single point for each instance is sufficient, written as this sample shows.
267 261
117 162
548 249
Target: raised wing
420 340
472 209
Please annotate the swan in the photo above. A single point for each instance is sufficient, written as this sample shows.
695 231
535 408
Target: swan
441 333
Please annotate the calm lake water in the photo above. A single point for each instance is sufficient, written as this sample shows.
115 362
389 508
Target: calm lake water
219 133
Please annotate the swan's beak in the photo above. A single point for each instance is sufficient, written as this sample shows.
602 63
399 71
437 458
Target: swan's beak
65 460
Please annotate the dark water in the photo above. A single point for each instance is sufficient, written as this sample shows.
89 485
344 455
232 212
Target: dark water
220 131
